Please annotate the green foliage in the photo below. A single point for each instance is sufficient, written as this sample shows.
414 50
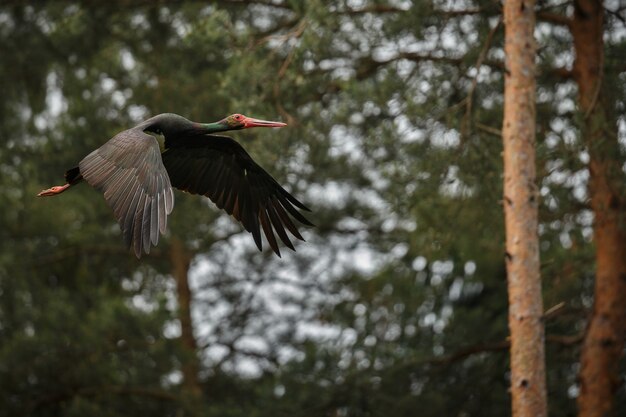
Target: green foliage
396 305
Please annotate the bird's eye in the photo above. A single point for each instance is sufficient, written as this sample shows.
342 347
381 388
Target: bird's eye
238 117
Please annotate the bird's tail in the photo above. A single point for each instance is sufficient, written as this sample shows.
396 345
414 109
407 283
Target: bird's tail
72 176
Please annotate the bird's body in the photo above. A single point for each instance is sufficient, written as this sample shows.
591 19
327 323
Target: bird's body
136 178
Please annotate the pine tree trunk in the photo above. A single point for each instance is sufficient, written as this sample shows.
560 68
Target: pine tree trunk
180 262
528 380
604 338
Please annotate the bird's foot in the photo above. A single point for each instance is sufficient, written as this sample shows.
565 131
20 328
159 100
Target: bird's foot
57 189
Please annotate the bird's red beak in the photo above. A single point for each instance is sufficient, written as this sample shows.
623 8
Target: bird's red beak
250 122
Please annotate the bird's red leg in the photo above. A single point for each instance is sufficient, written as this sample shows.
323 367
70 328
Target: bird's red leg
57 189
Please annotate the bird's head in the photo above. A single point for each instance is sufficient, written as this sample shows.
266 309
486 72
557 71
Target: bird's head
239 121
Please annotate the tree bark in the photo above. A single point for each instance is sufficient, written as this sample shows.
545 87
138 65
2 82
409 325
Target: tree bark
528 378
181 260
604 337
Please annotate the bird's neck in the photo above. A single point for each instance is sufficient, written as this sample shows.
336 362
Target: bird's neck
215 127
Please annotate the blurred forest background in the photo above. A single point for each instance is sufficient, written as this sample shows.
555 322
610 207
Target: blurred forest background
396 304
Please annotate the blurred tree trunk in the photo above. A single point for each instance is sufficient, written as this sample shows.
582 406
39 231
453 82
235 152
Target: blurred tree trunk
604 338
528 380
181 260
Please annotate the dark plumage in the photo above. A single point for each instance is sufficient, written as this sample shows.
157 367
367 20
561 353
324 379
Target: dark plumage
136 179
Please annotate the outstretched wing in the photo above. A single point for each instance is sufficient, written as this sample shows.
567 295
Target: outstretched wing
219 168
129 171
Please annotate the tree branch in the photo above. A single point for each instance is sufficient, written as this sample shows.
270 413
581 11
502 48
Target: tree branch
543 15
489 129
469 351
465 12
554 18
500 346
373 8
155 393
266 3
269 34
466 122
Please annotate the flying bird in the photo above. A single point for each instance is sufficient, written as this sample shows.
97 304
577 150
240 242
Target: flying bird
136 178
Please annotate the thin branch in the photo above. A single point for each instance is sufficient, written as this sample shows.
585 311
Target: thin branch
554 18
155 393
565 340
542 15
368 66
415 57
469 351
617 13
232 351
554 310
500 346
493 64
374 8
464 12
479 63
486 128
560 72
270 34
266 3
157 3
294 34
598 87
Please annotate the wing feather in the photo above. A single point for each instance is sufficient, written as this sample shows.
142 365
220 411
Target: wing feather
267 229
129 216
285 219
154 219
137 223
219 168
146 222
278 227
129 171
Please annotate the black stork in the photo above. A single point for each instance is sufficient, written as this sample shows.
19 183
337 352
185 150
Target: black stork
136 179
